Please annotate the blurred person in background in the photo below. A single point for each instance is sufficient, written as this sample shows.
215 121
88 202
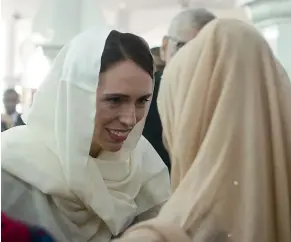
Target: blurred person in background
184 27
81 168
159 63
225 108
10 118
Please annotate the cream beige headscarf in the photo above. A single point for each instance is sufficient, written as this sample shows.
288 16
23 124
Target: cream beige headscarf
225 105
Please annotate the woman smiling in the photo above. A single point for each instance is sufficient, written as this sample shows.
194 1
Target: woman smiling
80 167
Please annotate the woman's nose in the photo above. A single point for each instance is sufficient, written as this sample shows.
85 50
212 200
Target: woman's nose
128 116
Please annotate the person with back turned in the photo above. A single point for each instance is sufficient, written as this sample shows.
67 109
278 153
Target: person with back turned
183 28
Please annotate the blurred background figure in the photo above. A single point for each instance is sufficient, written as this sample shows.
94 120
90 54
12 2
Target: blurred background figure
159 63
184 27
11 117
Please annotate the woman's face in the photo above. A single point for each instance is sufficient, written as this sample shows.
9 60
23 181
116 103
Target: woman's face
123 96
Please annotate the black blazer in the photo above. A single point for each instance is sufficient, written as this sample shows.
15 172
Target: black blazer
153 127
18 123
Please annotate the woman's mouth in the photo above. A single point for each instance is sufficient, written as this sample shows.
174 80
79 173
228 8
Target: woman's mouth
118 135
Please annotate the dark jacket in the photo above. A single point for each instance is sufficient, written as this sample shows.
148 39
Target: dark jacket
153 128
18 123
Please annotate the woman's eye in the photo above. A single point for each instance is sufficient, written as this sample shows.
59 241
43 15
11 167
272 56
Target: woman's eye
114 100
143 101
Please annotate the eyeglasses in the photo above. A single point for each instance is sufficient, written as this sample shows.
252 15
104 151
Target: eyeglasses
179 44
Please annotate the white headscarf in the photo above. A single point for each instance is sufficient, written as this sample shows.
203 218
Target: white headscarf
52 152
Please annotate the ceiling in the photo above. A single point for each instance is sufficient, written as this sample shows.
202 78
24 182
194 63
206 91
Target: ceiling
142 4
28 8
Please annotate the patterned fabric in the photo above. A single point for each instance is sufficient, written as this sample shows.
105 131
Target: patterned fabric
15 231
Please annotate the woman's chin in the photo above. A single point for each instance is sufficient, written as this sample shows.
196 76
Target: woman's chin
114 148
